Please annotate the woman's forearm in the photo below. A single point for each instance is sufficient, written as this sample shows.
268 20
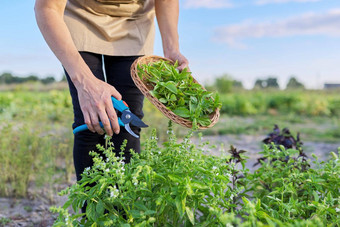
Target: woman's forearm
167 12
49 16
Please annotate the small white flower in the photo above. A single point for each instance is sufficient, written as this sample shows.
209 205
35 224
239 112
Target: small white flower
107 170
123 158
214 167
123 169
107 159
217 174
135 183
159 152
229 225
232 196
192 159
179 151
337 209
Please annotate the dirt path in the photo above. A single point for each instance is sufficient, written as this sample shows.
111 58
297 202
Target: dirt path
253 145
35 211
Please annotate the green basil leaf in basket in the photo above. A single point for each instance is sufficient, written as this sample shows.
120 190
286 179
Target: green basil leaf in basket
182 112
179 92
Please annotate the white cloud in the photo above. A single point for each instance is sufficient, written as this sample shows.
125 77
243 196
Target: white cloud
326 24
265 2
211 4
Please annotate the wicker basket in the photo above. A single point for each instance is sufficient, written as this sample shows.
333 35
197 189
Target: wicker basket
145 87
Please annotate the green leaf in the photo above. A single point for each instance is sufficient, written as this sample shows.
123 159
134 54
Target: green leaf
226 218
175 178
142 224
163 100
100 207
204 121
316 196
91 211
198 185
179 205
149 212
141 206
171 86
190 215
172 97
182 112
135 213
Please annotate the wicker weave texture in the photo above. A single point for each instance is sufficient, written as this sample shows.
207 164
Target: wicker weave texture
145 87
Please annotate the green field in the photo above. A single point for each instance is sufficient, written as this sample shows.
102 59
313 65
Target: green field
36 141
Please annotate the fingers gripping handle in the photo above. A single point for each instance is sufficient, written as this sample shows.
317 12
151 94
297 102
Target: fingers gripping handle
118 105
84 127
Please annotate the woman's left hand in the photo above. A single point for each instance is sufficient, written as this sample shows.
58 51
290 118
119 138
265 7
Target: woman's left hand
177 56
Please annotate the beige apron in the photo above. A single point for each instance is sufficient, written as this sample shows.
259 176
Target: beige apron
112 27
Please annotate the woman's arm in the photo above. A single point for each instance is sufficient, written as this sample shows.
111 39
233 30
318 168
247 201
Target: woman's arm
94 95
167 17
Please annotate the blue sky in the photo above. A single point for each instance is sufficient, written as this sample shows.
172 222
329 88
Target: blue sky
246 39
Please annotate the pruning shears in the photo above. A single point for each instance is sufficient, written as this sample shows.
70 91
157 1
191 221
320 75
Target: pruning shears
126 118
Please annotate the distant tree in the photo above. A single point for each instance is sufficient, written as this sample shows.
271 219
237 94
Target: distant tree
293 83
225 83
63 78
30 78
260 84
270 82
48 80
237 84
6 78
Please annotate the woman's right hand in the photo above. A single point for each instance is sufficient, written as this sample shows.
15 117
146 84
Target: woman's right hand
95 102
94 95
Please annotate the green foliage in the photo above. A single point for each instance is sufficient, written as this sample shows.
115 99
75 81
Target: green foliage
33 139
4 221
308 103
270 82
288 191
293 83
179 92
178 185
8 78
174 185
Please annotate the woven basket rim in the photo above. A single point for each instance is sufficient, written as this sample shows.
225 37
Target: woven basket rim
144 88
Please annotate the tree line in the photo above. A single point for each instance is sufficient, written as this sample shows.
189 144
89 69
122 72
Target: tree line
222 84
226 83
9 78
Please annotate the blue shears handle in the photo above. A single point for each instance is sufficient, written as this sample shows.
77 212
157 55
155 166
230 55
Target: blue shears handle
118 105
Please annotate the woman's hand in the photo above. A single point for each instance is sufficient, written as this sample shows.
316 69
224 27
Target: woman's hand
177 56
94 95
95 102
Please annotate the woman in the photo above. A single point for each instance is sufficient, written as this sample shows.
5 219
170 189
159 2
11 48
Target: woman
93 38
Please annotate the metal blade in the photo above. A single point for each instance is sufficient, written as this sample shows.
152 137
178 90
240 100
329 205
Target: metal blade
127 127
139 123
129 118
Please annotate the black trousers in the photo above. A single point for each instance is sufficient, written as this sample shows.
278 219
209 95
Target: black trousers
117 69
